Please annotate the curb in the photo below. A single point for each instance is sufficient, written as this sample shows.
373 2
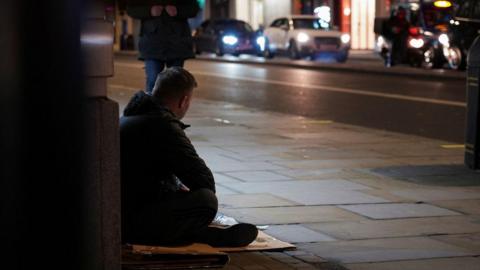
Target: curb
418 74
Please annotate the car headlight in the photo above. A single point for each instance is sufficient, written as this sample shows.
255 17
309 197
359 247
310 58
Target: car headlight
302 37
230 40
416 43
261 42
380 41
345 38
444 40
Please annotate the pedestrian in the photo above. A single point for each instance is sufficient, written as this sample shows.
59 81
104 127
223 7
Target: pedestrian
168 192
397 32
165 35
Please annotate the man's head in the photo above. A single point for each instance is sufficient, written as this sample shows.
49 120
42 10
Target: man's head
401 13
174 88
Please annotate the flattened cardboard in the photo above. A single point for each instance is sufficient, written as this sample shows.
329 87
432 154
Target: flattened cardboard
193 256
264 242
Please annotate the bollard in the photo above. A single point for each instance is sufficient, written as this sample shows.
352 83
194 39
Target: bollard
472 136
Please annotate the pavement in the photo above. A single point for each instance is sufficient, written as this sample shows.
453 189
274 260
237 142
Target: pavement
360 61
348 197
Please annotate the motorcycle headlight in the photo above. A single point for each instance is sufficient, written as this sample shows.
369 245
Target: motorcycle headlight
261 42
444 40
345 38
230 40
302 37
416 43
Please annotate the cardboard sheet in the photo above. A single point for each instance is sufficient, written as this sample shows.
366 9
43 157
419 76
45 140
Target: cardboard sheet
195 255
138 257
264 242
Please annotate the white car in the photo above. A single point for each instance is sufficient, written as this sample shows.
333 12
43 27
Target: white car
304 36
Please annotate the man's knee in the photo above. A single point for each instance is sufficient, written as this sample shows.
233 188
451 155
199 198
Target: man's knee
206 199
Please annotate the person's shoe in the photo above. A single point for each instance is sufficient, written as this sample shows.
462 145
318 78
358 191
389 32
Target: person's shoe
238 235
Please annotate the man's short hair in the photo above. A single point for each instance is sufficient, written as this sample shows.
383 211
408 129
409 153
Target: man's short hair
173 83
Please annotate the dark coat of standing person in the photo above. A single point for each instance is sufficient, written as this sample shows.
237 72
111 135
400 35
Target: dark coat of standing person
168 192
165 35
397 31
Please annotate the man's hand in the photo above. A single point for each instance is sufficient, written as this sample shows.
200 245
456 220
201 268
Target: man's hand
156 11
171 10
184 188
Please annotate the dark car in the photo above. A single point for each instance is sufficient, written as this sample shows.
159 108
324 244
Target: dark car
225 36
465 27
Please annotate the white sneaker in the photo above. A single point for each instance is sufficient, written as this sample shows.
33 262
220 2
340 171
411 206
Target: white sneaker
222 220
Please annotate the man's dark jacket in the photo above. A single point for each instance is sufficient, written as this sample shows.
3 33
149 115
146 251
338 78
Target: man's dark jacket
155 149
164 37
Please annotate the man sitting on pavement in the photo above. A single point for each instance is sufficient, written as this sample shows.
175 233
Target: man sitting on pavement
168 192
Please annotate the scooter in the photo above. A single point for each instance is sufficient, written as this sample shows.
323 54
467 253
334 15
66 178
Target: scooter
425 49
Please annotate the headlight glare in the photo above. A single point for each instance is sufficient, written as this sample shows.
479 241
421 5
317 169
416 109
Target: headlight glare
444 40
416 43
302 37
345 38
261 42
230 40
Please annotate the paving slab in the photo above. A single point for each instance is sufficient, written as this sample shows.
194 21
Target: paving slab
226 164
464 263
469 242
410 171
312 192
385 183
297 234
249 151
258 176
336 154
225 179
221 190
398 210
370 229
385 194
321 174
454 159
255 261
252 200
460 180
416 149
291 215
437 194
381 250
471 207
298 186
337 163
333 197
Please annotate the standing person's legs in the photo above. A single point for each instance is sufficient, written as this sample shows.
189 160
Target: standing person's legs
152 68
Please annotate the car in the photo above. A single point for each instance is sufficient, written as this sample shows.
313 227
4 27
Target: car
465 27
305 36
225 36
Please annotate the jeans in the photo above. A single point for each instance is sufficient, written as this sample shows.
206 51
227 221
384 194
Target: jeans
154 66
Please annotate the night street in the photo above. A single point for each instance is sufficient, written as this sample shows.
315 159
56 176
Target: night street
433 108
251 135
310 156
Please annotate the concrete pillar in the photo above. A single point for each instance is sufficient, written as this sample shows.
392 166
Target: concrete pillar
102 184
